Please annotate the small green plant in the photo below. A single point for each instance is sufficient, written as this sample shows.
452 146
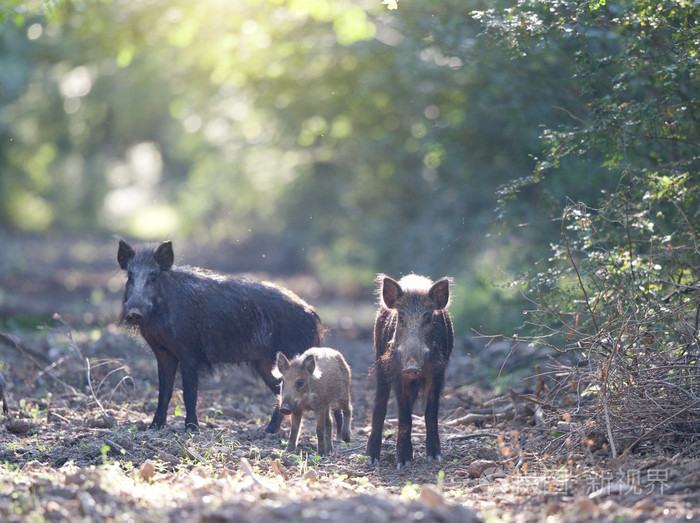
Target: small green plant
31 409
303 460
104 450
440 480
410 490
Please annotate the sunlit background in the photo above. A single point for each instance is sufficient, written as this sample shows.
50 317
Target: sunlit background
339 138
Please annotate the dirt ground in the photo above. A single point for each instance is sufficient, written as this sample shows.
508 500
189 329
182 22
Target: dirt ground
82 391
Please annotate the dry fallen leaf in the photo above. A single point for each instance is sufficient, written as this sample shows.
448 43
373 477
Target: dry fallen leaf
148 470
481 466
431 497
279 469
310 474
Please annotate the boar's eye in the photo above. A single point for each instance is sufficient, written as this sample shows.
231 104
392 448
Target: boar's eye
427 317
152 276
129 275
300 383
402 317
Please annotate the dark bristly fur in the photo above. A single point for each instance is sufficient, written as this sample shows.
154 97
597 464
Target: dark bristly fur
3 395
413 340
196 319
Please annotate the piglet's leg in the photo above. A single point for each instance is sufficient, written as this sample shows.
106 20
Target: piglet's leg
294 433
338 415
328 434
323 417
347 421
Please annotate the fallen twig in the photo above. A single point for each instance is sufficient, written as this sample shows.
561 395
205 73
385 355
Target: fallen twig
10 341
483 418
119 448
192 454
664 421
350 449
249 470
473 436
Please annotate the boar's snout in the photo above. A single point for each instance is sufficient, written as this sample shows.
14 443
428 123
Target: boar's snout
134 316
411 372
411 369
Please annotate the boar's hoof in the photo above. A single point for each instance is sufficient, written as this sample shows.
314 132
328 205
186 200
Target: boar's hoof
437 458
192 428
400 464
372 461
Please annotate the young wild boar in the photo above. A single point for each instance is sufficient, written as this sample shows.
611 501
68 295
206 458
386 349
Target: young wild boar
413 340
195 319
317 380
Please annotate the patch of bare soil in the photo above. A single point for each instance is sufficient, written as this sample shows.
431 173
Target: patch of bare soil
82 392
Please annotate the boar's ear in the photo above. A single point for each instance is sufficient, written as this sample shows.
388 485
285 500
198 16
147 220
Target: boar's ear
440 293
391 291
309 364
164 255
125 254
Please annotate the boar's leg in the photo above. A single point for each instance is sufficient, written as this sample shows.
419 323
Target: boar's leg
432 404
189 394
264 369
406 397
381 397
167 368
294 433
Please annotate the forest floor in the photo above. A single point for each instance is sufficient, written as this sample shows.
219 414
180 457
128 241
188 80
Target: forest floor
82 391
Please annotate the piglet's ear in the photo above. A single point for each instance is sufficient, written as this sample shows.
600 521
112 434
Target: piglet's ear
391 291
281 366
164 256
440 293
309 364
125 254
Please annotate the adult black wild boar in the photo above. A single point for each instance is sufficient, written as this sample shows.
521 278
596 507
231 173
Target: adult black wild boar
413 340
196 319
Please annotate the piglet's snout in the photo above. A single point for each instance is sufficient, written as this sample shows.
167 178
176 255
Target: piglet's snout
286 407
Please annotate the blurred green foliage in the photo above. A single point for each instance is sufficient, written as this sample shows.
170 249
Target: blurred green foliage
360 137
621 285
